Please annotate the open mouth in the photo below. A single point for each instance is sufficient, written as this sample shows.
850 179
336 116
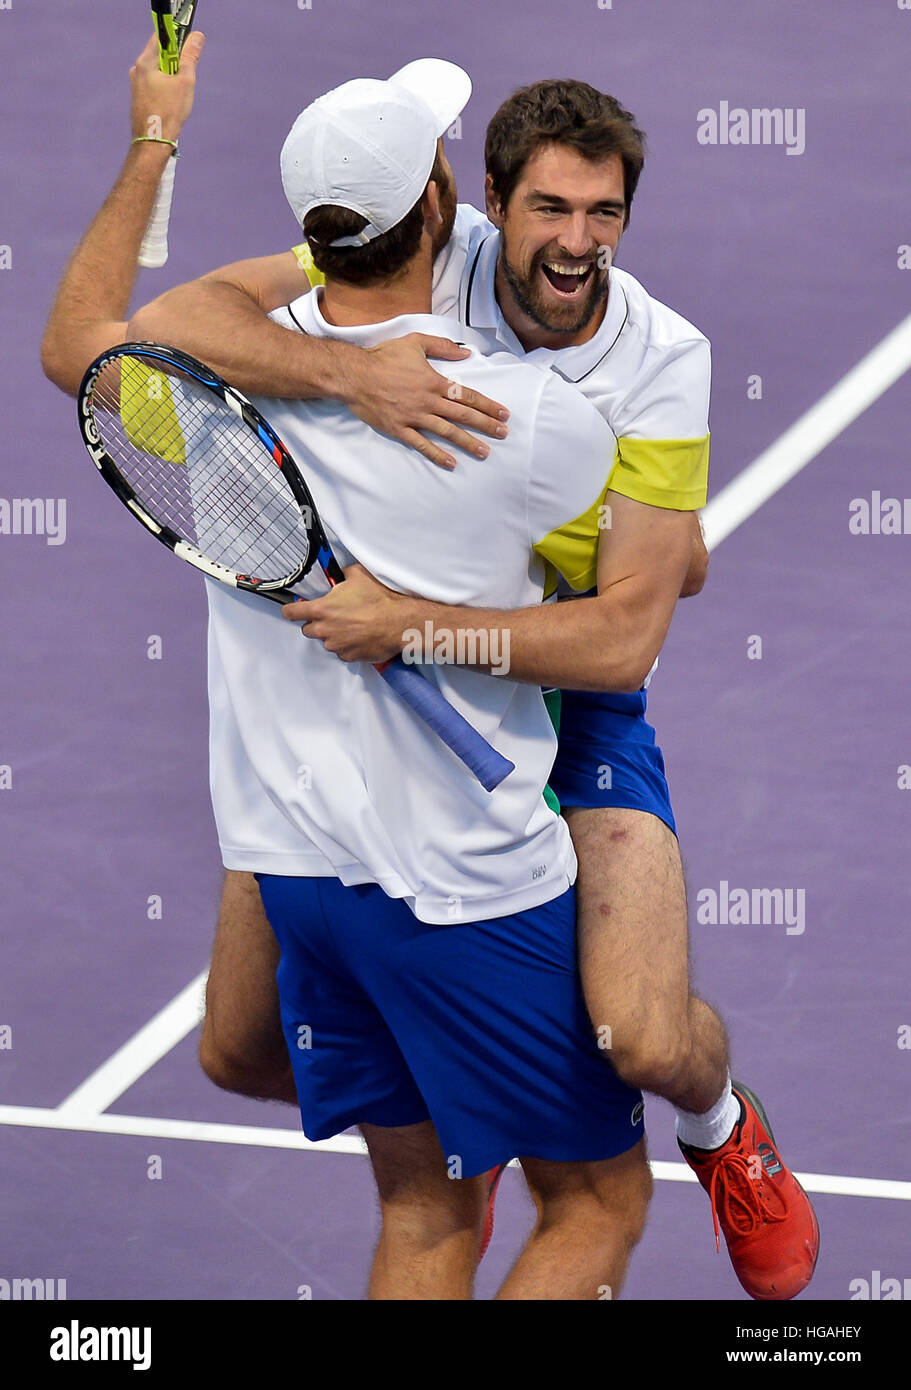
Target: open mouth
568 280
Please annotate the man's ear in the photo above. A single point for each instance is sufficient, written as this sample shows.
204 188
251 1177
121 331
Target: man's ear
433 217
492 203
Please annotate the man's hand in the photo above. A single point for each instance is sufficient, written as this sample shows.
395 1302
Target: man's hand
360 620
396 391
161 103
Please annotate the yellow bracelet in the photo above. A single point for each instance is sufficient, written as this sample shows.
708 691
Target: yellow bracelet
156 140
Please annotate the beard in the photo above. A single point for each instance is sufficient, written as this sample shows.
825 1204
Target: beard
569 318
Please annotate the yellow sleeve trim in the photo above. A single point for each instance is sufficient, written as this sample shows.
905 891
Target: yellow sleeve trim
572 550
304 258
672 473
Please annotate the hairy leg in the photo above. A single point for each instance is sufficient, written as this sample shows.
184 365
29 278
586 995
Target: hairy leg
633 958
242 1047
428 1246
590 1216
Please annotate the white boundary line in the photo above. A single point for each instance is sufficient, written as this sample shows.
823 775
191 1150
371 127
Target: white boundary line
154 1128
153 1041
807 438
267 1138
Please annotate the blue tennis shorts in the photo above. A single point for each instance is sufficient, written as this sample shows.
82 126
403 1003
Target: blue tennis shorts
480 1027
607 755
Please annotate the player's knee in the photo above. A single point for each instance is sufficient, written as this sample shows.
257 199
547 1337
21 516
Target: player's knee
219 1067
636 1204
652 1061
258 1077
424 1220
611 1211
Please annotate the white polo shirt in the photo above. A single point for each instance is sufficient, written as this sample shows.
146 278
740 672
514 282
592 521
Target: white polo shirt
317 767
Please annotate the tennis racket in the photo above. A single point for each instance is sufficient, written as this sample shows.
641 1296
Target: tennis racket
173 22
202 469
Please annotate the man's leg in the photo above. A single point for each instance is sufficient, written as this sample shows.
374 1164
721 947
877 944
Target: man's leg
633 958
428 1246
242 1047
632 931
590 1216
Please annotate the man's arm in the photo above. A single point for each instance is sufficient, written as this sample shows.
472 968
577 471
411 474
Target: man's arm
222 319
90 308
605 643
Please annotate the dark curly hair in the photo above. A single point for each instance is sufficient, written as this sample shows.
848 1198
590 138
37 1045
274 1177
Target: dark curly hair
561 113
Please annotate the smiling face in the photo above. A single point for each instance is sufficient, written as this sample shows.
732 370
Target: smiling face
559 232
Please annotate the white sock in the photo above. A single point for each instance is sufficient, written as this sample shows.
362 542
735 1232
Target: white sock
715 1127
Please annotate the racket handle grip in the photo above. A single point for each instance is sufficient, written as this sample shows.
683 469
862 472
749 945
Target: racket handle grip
428 702
153 253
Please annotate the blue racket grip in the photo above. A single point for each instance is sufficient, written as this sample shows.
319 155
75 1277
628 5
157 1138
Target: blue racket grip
428 702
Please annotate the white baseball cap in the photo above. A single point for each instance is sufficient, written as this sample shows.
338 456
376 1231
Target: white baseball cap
369 146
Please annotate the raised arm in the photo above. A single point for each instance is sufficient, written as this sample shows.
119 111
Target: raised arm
90 308
222 318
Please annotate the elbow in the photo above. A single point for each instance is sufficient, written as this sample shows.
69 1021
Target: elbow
698 568
55 366
630 677
696 576
626 662
142 326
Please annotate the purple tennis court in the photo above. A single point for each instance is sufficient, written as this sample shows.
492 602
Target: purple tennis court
780 702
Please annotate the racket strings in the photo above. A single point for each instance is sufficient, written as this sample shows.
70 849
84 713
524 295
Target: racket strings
197 469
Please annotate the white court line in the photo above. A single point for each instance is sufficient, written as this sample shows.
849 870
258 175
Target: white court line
155 1128
153 1041
266 1138
733 505
807 438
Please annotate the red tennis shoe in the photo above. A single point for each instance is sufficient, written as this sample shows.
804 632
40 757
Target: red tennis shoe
769 1225
493 1182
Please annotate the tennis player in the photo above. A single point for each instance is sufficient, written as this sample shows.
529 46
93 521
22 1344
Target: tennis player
648 372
